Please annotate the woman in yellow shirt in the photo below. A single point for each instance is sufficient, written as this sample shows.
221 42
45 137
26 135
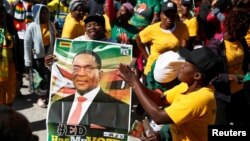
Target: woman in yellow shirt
8 65
74 25
230 91
189 107
163 36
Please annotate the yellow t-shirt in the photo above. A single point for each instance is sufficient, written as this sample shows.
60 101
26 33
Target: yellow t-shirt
45 34
72 28
235 56
162 40
247 37
192 26
53 6
191 113
11 1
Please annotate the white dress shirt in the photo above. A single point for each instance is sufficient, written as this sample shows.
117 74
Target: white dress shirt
85 105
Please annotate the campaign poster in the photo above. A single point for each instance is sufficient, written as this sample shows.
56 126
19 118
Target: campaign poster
103 120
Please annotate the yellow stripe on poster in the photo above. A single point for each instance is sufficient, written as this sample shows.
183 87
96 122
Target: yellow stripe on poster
64 44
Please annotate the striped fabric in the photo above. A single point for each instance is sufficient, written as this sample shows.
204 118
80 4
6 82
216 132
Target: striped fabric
29 14
22 16
19 13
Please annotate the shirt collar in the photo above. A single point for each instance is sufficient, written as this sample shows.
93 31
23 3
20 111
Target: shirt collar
169 30
90 95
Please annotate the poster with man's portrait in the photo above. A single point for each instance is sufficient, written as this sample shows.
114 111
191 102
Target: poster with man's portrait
88 101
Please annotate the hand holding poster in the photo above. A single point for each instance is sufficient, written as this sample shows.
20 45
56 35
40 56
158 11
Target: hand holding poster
87 70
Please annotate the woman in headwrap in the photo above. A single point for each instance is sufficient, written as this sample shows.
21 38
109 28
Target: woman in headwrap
74 25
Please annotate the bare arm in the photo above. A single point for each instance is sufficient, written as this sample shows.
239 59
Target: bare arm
141 46
149 100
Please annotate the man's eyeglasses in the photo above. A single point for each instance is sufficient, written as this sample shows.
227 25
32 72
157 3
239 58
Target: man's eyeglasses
87 68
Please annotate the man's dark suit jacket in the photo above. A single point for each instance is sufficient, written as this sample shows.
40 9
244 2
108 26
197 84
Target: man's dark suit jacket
104 111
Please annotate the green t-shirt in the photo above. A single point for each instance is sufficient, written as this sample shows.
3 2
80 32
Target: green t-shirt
144 11
121 32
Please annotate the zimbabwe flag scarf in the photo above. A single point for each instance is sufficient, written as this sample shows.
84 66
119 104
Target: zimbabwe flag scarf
22 16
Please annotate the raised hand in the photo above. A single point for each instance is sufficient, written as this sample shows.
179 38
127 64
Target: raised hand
128 75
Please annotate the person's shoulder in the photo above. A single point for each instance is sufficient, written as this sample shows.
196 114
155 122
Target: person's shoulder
151 28
80 38
204 94
157 24
209 90
69 18
180 24
194 19
32 26
180 88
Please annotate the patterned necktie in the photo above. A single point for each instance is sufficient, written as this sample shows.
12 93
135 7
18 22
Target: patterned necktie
77 113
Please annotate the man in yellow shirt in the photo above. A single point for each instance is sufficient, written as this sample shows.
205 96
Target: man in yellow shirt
190 106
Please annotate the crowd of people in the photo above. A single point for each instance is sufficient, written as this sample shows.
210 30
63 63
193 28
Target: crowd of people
192 56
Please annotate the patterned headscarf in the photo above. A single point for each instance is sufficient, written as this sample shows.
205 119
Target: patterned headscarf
21 14
75 3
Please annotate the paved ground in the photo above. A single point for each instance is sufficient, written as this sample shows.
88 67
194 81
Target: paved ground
37 116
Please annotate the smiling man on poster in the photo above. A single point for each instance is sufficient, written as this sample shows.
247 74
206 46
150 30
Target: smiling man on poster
90 106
